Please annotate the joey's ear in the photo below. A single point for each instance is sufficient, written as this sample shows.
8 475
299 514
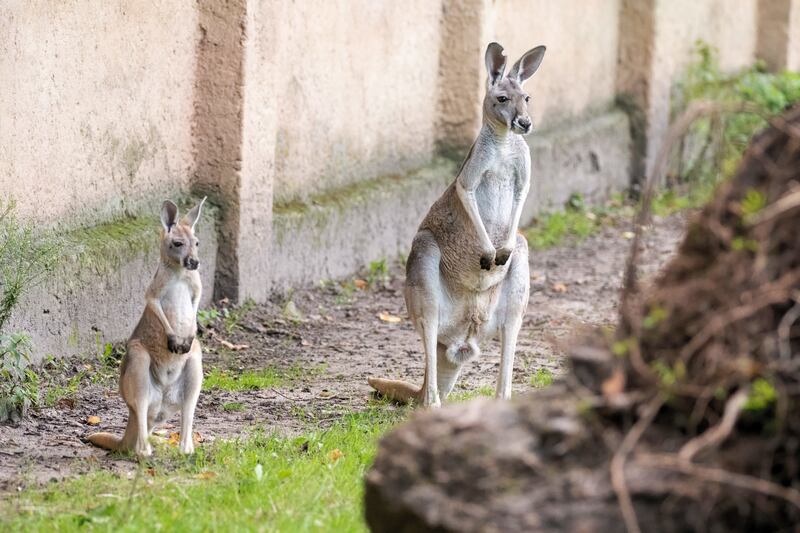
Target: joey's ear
169 215
193 216
527 64
495 62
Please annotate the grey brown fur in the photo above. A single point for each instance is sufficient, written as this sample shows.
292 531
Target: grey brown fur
467 274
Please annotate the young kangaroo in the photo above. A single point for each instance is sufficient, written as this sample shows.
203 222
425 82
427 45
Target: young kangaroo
162 368
467 274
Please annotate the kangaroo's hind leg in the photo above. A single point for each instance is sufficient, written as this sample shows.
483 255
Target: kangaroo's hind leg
134 386
423 301
192 380
513 303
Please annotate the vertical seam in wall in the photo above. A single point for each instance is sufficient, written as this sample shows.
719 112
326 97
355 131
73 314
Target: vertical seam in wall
217 127
635 56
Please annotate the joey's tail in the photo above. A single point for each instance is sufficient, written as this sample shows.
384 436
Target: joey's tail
105 440
396 390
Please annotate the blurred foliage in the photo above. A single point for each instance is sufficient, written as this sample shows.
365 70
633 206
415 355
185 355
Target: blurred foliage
715 146
19 384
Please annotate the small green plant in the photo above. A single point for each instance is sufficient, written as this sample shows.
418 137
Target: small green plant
753 202
762 395
232 316
19 384
206 316
378 272
543 377
25 257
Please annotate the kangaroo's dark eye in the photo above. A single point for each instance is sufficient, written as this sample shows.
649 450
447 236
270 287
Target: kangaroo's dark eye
197 243
177 244
527 99
502 99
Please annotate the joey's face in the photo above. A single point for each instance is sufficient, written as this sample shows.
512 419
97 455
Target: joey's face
180 245
506 105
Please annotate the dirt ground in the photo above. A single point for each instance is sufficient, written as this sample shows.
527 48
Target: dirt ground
338 342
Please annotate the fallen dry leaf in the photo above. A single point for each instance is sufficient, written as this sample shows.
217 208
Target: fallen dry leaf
234 347
174 438
205 475
93 420
335 455
628 235
615 384
198 438
559 287
360 284
391 319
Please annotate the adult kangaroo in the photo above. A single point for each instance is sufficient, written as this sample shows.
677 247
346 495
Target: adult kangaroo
467 274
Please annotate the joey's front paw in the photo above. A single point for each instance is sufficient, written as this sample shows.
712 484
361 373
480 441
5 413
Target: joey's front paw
487 259
502 255
179 345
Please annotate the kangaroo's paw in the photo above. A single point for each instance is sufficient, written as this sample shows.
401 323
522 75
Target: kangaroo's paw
486 260
502 255
180 345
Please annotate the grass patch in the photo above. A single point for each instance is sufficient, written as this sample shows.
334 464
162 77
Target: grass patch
262 482
263 378
543 377
233 406
484 391
576 222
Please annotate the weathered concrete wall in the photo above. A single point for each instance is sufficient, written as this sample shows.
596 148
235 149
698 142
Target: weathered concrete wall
793 37
354 89
95 106
579 68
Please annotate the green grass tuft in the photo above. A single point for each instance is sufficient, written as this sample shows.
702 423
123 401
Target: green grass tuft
543 377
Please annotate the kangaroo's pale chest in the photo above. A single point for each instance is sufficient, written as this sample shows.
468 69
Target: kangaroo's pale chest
495 197
176 301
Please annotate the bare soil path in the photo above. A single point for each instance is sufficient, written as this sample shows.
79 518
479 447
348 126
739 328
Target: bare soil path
327 350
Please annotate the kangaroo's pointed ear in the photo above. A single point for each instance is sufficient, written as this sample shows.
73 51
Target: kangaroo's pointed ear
193 216
527 64
495 62
169 215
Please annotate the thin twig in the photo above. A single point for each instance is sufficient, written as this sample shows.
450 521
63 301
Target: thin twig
621 456
717 434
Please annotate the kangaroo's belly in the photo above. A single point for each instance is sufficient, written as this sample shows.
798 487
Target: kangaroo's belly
178 308
467 319
495 198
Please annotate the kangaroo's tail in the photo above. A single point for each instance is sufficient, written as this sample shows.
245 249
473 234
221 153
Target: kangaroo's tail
105 440
396 390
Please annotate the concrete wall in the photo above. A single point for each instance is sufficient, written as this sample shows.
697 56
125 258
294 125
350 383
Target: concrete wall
292 114
354 87
579 70
95 105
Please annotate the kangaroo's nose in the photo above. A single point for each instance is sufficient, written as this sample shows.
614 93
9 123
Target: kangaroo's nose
524 123
191 263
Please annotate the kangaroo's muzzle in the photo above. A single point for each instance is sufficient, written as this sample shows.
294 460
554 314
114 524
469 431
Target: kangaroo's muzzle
190 263
522 125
